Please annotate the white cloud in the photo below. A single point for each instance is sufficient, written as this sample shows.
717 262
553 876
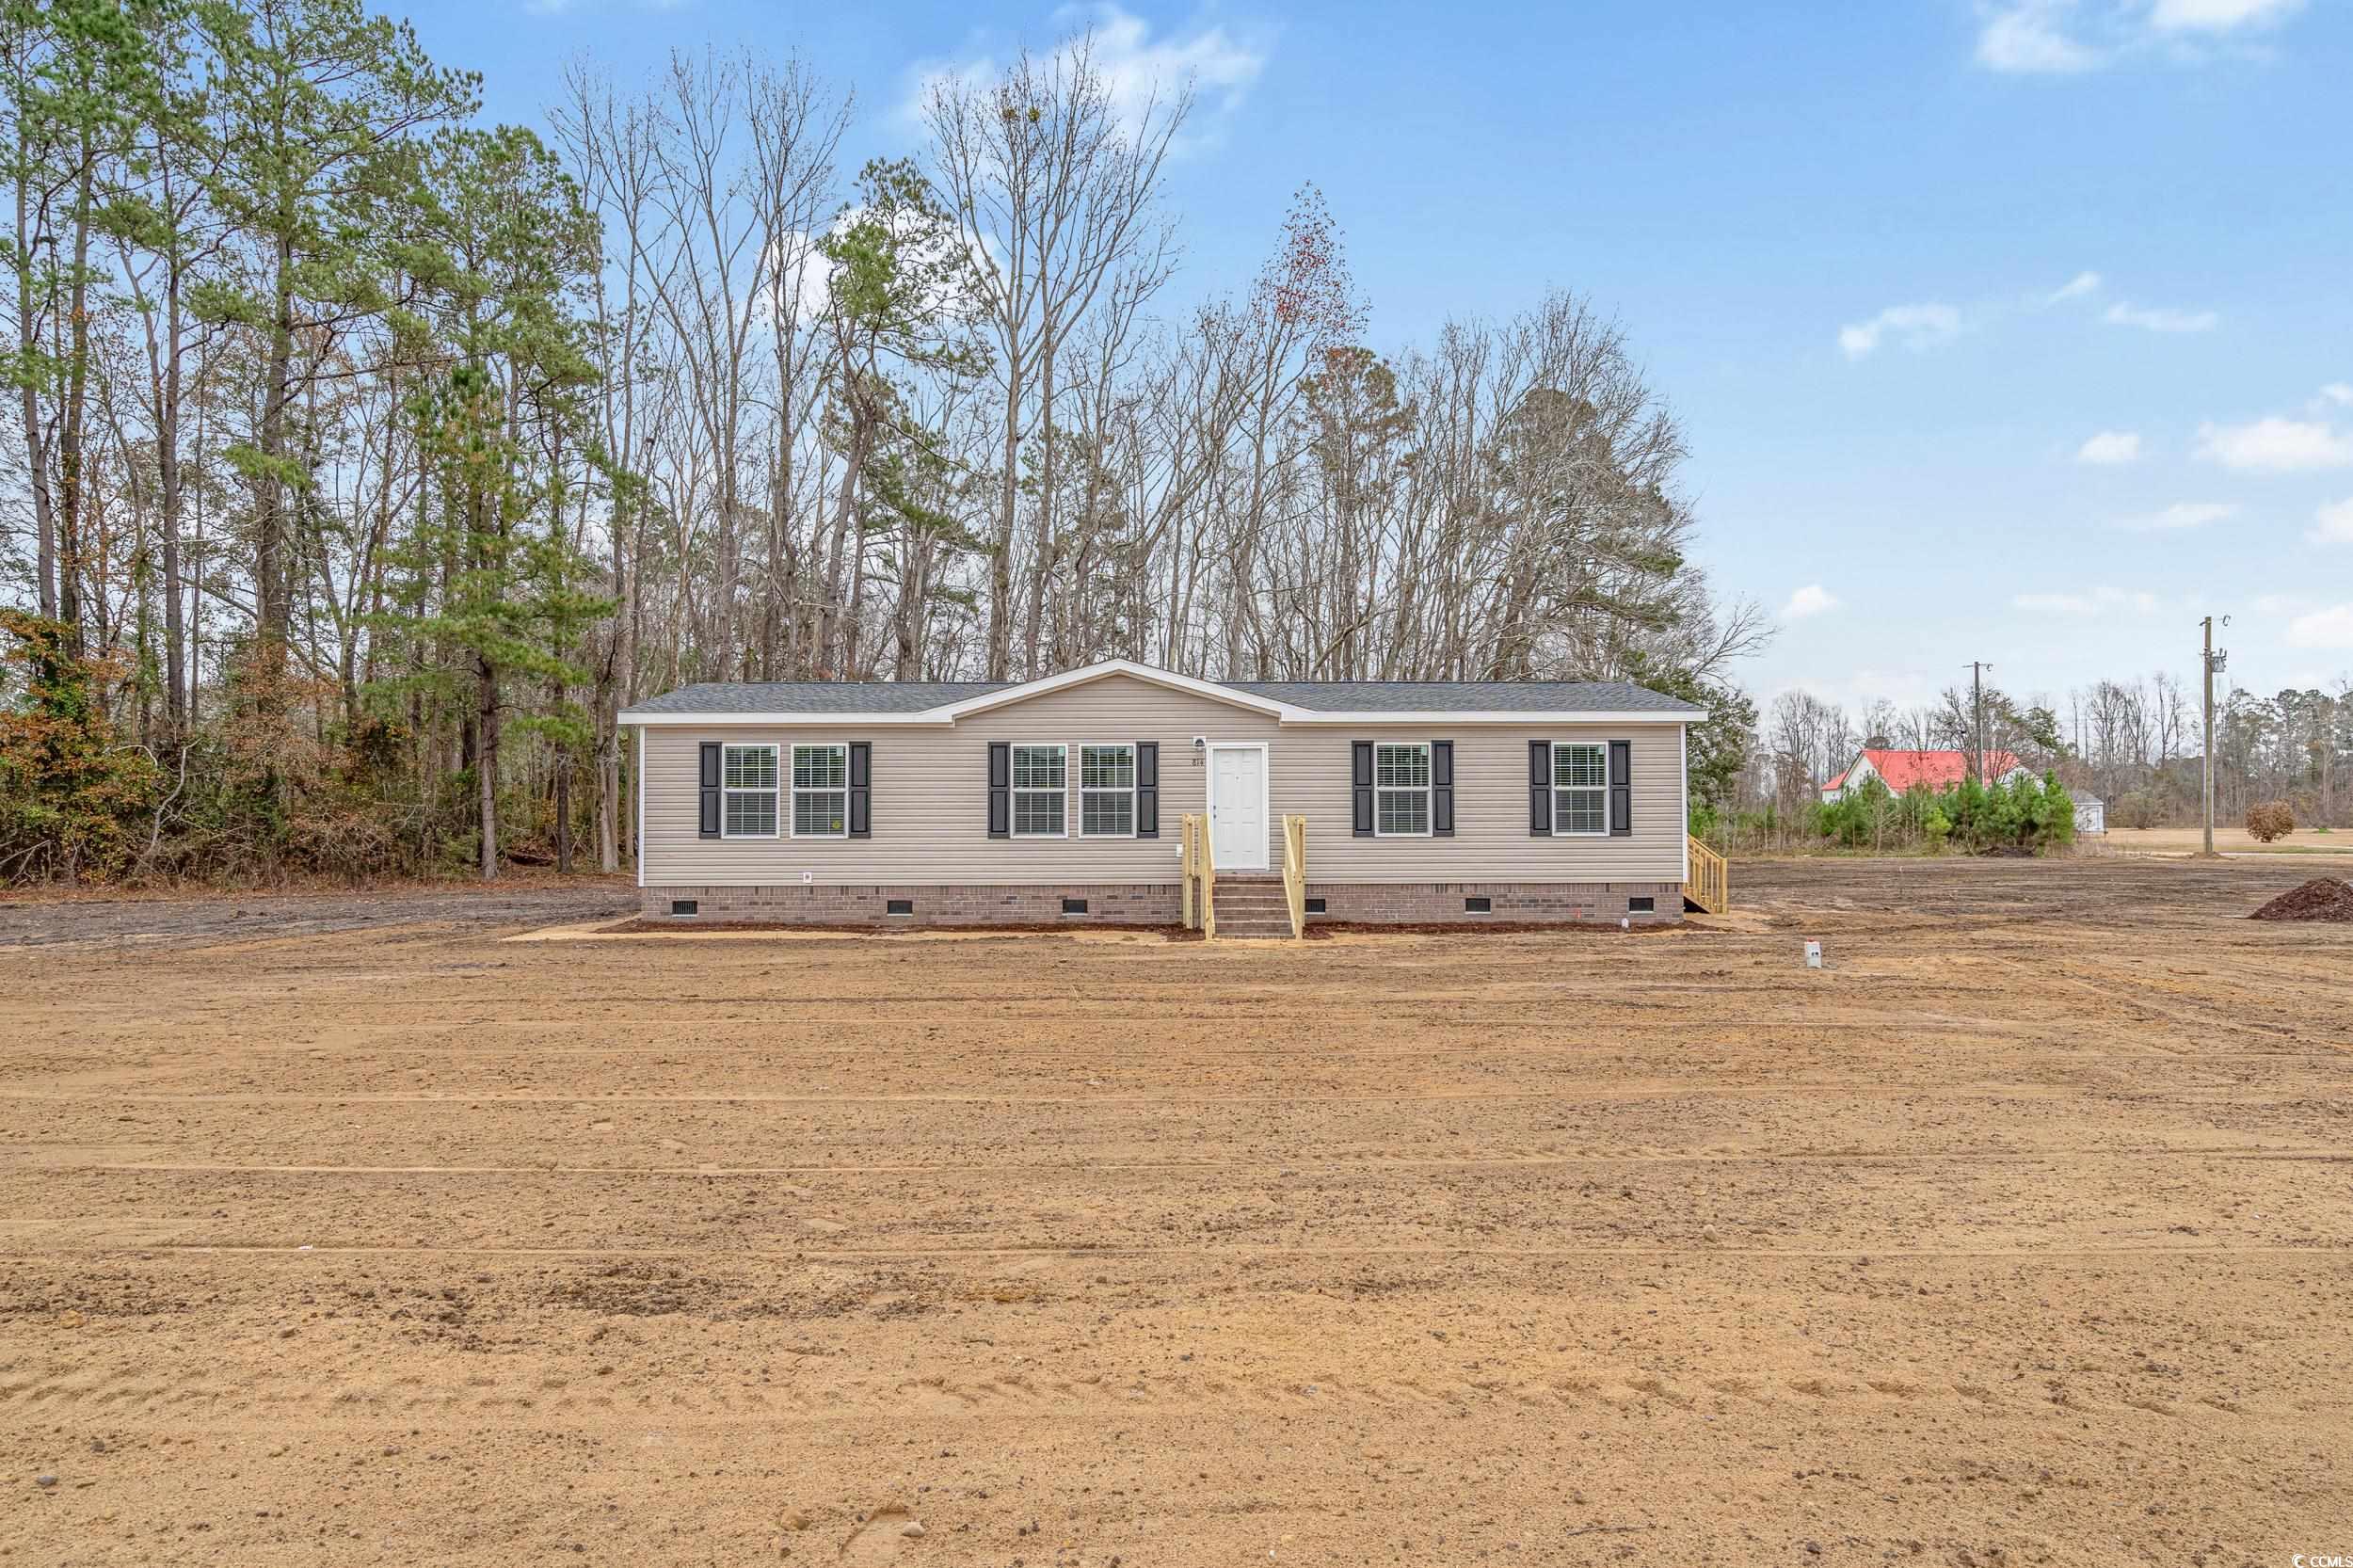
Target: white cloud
800 274
800 279
1917 327
1811 599
2338 391
2074 288
1221 66
2091 601
2110 448
2275 446
2032 38
2082 286
2159 319
2329 627
1139 72
2219 16
2061 38
2180 514
2333 523
1932 323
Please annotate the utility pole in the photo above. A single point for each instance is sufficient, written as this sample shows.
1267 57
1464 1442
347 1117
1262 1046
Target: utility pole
2210 661
1977 720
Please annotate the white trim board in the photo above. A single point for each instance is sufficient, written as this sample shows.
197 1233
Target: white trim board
948 713
1683 748
1409 716
1093 673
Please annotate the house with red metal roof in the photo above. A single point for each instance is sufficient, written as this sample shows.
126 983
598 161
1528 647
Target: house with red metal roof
1906 771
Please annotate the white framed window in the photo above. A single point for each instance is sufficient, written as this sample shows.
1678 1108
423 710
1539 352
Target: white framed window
1580 787
821 791
1400 788
747 792
1041 785
1107 791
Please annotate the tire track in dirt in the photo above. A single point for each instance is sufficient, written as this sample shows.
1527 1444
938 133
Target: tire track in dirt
1415 1250
273 1399
1567 1094
1502 1160
1127 1250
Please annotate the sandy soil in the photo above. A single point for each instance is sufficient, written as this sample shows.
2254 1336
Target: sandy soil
2227 841
2019 1234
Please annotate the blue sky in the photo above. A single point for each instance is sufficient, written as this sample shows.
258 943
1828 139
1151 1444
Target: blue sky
2019 331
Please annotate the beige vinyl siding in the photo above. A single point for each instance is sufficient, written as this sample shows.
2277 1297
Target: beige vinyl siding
931 797
931 794
1490 840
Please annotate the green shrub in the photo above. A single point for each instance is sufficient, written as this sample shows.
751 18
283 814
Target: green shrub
2031 815
73 805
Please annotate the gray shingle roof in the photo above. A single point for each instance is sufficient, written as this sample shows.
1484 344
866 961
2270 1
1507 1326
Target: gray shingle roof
1330 697
816 697
1464 697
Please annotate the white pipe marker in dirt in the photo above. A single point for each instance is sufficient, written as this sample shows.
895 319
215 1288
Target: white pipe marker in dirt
1813 956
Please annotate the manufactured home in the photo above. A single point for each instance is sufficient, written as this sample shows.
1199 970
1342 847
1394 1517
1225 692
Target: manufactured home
1117 793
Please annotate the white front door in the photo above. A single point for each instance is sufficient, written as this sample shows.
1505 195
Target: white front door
1238 807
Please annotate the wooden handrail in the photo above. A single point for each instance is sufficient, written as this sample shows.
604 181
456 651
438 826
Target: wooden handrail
1710 882
1198 875
1295 871
1185 872
1205 858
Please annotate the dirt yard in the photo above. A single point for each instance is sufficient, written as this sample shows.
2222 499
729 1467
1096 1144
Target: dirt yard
2227 841
2018 1235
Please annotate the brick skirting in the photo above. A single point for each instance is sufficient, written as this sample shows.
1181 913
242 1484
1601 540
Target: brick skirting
1108 904
1158 904
1435 902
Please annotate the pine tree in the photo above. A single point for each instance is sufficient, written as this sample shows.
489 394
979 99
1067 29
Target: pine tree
320 106
494 573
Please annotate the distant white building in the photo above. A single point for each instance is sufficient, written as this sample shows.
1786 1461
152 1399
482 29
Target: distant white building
2092 813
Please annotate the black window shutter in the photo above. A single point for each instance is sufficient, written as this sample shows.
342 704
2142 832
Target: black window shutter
861 790
1540 788
1621 789
1148 789
709 791
1001 788
1441 789
1361 776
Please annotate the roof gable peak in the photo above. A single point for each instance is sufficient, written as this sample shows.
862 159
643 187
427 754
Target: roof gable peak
1089 674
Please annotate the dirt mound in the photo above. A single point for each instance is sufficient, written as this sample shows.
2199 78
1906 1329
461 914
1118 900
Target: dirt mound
2324 897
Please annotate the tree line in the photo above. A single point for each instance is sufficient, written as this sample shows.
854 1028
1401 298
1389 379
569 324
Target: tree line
366 461
2136 742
